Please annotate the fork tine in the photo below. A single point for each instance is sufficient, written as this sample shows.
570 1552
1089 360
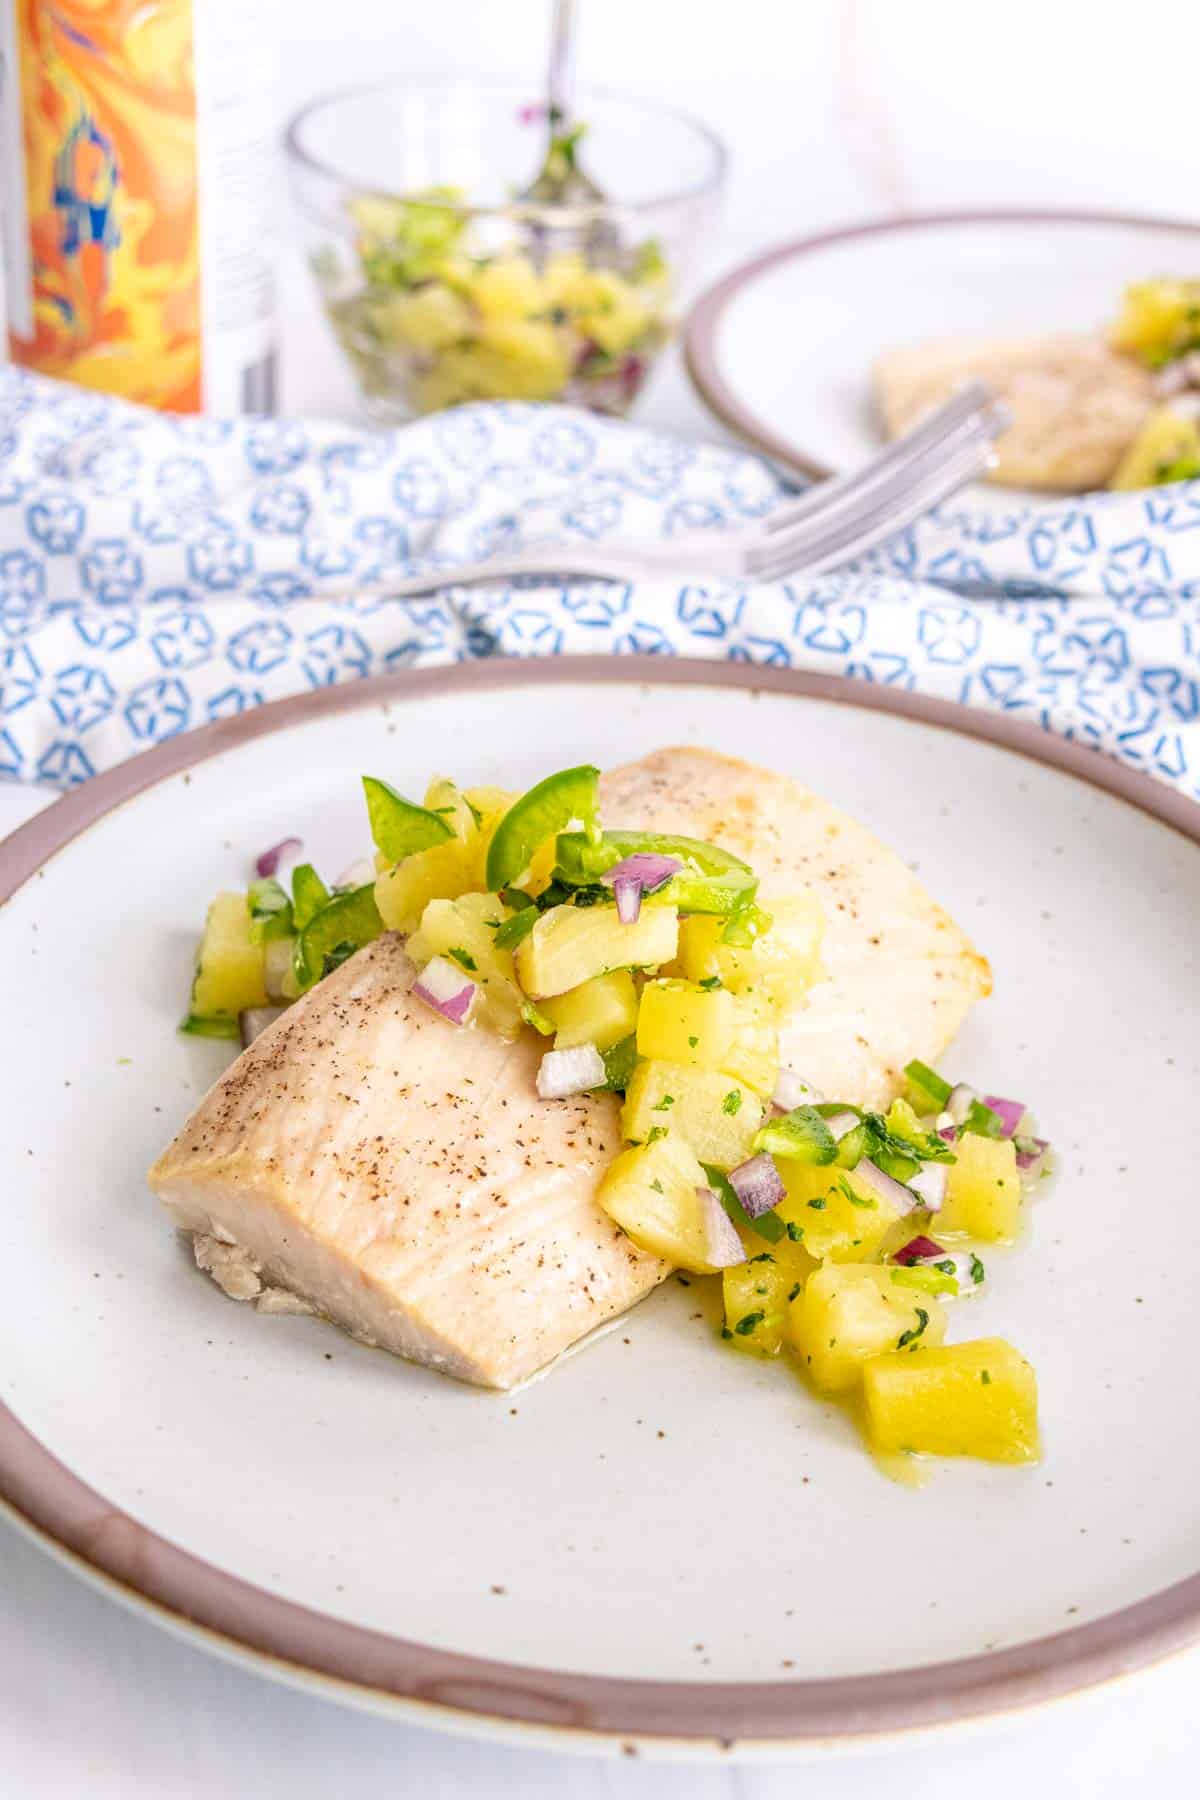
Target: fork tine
971 398
847 539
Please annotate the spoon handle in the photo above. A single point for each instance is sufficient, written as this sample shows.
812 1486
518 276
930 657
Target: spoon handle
561 68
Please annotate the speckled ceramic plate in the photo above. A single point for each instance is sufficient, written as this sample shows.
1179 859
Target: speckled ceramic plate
662 1545
781 349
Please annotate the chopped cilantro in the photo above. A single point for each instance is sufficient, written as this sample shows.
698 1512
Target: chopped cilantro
749 1322
885 1146
657 1185
911 1336
763 1256
818 1205
793 1290
656 1132
725 1332
710 982
692 1042
732 1102
985 1378
463 958
665 1104
977 1269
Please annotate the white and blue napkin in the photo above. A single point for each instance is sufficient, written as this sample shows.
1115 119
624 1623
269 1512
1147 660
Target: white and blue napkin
159 572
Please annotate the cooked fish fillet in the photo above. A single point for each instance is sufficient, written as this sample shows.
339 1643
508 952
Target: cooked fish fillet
1076 404
402 1176
900 975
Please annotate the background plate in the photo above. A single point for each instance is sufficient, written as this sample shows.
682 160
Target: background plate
663 1539
781 349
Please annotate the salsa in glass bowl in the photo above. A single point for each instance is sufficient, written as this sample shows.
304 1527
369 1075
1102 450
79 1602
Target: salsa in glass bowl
445 282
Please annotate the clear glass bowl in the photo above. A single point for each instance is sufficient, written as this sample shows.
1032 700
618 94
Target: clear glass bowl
443 285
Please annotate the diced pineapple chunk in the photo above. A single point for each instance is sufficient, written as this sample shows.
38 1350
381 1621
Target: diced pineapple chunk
651 1192
464 931
716 1115
442 873
1167 445
683 1023
508 287
757 1295
709 1029
491 803
608 310
229 966
601 1011
571 944
974 1399
983 1190
781 964
445 798
1159 318
425 318
848 1312
835 1212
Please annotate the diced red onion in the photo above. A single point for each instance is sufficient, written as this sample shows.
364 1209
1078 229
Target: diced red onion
444 987
1009 1112
643 873
885 1187
255 1020
358 874
573 1071
922 1252
918 1249
947 1133
268 863
758 1185
841 1124
792 1090
1031 1159
929 1184
723 1247
277 964
627 892
962 1098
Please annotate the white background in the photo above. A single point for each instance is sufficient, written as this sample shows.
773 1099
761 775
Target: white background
833 110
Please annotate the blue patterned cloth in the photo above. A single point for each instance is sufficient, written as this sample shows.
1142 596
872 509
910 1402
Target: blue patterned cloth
160 572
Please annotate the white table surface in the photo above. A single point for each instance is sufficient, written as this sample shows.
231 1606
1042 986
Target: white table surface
834 110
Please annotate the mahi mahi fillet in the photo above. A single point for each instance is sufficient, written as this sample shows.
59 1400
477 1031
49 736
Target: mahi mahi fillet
1076 403
400 1176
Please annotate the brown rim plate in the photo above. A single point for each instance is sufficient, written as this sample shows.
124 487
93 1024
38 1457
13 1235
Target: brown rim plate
371 1668
703 321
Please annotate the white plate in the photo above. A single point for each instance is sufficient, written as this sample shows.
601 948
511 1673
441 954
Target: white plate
782 348
662 1542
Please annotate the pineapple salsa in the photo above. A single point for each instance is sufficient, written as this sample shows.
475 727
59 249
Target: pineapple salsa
841 1237
435 316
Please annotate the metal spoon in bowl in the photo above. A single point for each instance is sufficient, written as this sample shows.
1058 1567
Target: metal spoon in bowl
560 182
